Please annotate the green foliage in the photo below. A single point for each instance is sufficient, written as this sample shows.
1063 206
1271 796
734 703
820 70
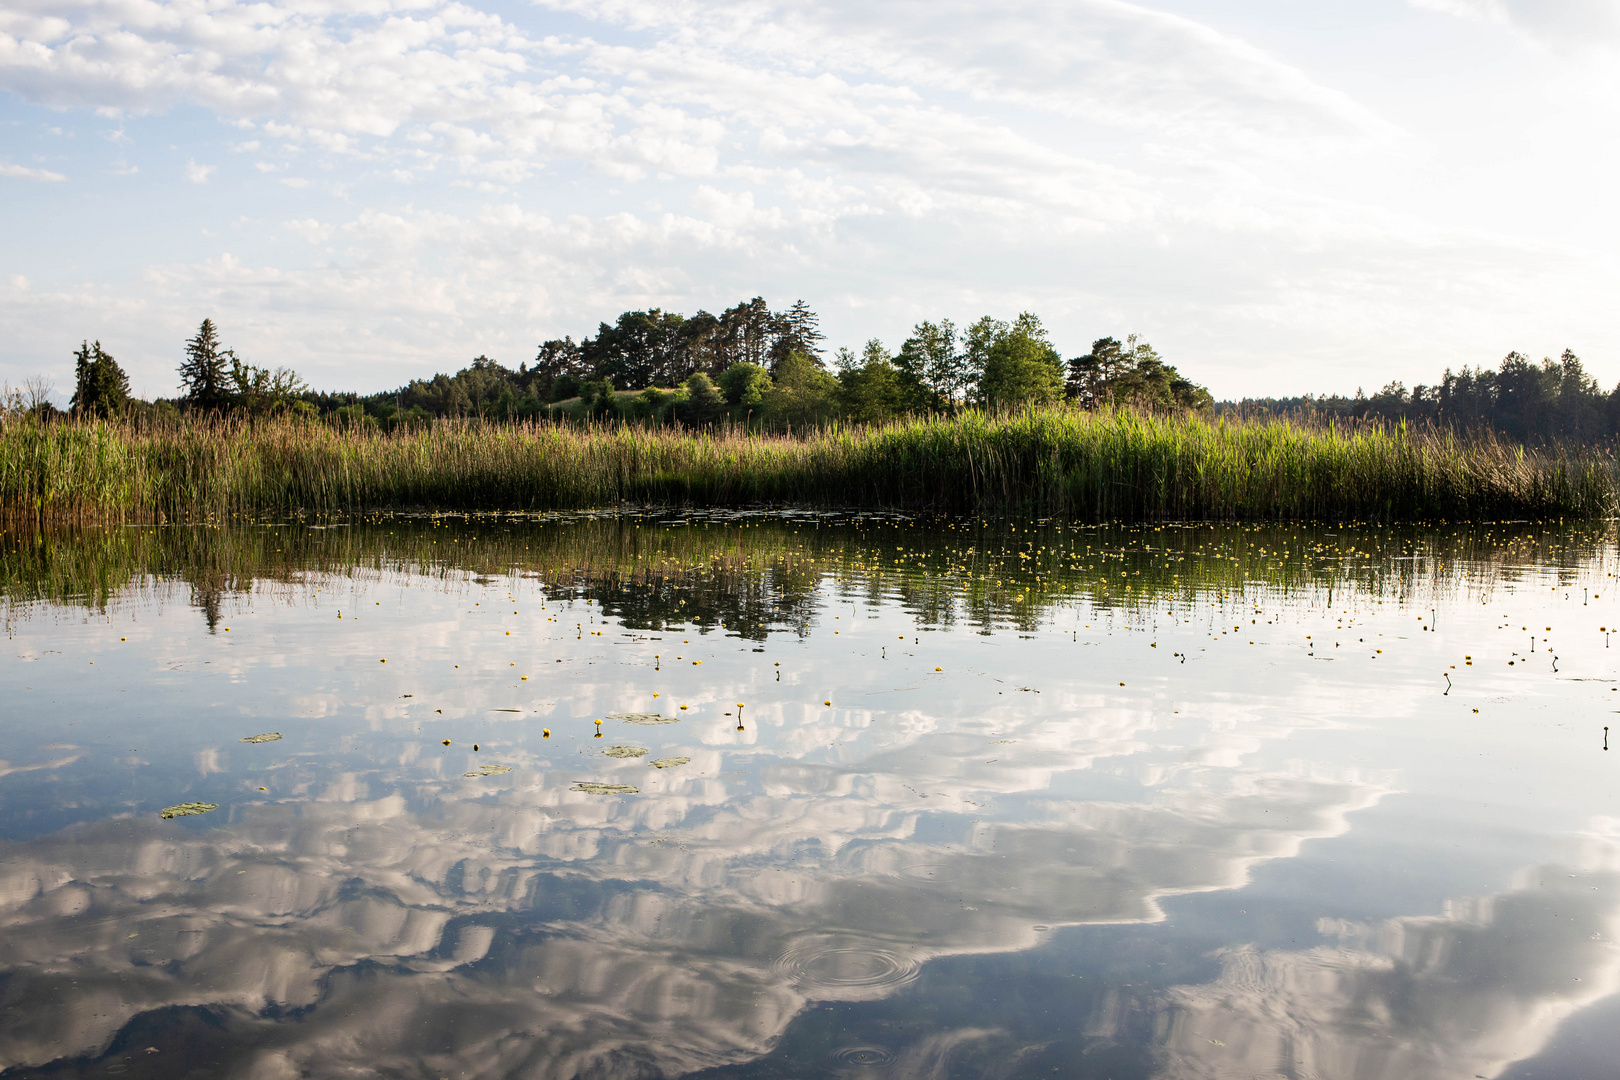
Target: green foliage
644 348
939 371
641 348
1133 374
1555 400
745 385
1021 367
767 369
597 396
704 403
258 391
217 380
100 387
803 394
564 387
1101 464
205 372
876 391
353 416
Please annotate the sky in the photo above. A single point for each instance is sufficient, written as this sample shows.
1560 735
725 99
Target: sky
1281 197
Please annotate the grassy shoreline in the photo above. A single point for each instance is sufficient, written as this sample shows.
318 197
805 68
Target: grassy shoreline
1089 466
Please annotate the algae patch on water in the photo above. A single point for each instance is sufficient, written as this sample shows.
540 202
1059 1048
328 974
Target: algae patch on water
489 770
668 762
186 809
626 751
605 789
644 718
269 736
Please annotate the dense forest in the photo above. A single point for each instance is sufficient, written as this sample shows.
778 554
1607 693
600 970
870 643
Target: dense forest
1555 400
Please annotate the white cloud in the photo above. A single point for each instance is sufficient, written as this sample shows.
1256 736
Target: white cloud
198 174
1108 164
1581 23
828 78
23 172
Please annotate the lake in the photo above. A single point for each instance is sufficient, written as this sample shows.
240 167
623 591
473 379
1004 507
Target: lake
796 794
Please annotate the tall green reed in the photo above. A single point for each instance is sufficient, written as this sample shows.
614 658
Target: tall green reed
1114 465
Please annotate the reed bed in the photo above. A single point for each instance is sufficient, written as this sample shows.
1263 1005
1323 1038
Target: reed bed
1090 466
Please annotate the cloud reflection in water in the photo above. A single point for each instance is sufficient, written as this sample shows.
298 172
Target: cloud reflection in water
542 932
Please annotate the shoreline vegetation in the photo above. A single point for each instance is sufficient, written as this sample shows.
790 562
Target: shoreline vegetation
740 409
1053 461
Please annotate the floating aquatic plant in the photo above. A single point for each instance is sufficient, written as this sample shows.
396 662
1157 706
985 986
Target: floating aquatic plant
186 809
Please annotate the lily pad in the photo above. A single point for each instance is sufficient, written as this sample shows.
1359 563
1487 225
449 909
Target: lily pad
489 770
186 809
626 751
668 762
605 789
269 736
644 718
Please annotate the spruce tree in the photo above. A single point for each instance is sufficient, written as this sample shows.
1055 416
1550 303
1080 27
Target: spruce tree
205 373
100 386
82 388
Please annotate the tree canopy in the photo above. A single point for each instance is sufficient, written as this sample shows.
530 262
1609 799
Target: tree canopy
748 364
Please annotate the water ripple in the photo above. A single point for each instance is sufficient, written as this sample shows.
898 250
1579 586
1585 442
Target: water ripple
864 1057
819 967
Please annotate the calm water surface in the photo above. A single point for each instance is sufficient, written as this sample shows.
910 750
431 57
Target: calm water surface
869 797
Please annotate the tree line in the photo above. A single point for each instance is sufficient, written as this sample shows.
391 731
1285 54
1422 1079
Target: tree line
748 364
214 377
1553 401
752 364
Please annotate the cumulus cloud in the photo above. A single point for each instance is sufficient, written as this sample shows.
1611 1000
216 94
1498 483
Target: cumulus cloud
1115 166
198 174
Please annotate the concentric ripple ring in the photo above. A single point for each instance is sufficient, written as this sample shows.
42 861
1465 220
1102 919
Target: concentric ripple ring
864 1057
843 969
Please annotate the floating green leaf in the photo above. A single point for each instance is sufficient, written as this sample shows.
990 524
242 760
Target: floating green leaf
489 770
269 736
626 751
668 762
644 718
605 789
186 809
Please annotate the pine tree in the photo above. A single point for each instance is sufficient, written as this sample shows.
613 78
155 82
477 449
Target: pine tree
100 386
798 329
206 370
82 389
